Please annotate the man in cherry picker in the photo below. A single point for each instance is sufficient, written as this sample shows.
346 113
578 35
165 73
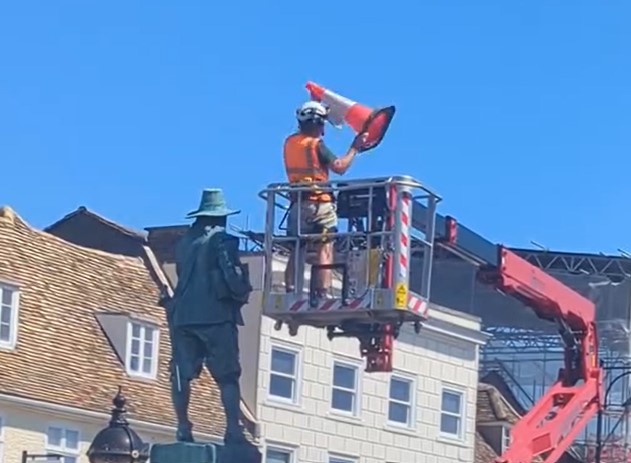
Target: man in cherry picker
307 159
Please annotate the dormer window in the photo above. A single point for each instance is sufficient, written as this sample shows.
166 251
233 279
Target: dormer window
142 349
496 434
506 440
9 302
136 341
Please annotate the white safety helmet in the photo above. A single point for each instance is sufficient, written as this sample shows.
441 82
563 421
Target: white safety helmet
312 111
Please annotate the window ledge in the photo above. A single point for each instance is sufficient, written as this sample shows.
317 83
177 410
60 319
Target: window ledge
8 347
447 439
400 429
344 417
279 402
141 377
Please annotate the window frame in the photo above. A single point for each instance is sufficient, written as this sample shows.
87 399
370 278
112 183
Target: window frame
412 404
63 449
281 449
461 415
14 320
505 438
155 349
337 458
297 376
356 392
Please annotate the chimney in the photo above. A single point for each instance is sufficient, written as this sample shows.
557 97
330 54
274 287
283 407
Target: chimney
7 215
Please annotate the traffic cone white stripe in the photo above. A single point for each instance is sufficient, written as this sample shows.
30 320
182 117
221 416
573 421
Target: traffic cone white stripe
338 107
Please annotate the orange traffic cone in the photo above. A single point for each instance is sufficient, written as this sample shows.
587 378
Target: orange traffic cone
360 118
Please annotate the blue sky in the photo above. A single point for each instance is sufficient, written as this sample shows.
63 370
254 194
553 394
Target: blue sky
517 112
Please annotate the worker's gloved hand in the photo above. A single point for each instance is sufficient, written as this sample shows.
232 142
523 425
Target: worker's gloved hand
360 141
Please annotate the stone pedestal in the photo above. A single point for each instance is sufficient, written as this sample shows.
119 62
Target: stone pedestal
181 452
239 453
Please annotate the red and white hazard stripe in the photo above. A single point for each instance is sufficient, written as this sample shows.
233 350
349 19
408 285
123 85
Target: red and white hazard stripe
417 305
404 239
329 305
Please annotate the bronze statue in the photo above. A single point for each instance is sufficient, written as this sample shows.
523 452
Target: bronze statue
204 312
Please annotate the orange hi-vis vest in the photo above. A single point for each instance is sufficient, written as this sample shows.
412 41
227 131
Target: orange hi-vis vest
302 164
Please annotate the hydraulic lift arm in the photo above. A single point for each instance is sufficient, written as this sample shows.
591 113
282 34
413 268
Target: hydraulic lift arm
551 426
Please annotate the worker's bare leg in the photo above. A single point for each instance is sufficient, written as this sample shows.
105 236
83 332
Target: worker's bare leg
325 257
289 272
292 230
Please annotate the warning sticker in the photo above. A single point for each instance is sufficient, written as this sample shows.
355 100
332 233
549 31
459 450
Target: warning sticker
401 297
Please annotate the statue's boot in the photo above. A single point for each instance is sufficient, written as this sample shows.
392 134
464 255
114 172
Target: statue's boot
181 395
231 399
184 433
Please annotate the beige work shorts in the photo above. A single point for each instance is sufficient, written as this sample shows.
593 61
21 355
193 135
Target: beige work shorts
315 217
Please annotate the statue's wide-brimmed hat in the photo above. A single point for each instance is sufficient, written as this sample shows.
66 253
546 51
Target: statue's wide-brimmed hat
212 204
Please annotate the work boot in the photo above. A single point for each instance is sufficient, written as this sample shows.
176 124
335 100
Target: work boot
321 294
180 394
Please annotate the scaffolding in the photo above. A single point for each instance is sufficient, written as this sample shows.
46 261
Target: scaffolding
527 352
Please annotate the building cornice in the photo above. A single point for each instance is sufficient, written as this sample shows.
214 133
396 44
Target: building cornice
75 413
456 331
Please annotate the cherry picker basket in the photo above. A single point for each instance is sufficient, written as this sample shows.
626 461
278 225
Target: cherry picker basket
375 286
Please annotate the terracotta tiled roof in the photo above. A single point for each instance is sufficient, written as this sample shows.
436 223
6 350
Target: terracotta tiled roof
493 407
483 451
494 378
63 356
89 229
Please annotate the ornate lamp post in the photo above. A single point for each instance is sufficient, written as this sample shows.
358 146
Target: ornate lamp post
118 443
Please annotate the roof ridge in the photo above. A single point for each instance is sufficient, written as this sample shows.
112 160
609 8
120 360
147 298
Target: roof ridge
494 391
13 217
101 218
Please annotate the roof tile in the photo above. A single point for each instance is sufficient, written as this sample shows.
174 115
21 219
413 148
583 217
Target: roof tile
62 354
484 453
493 407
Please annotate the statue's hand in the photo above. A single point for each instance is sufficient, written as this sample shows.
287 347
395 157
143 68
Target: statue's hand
235 274
165 298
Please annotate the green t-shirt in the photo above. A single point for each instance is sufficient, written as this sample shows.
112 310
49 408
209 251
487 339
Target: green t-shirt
325 155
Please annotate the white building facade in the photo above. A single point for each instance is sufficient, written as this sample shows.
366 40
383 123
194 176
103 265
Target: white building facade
317 405
314 403
41 428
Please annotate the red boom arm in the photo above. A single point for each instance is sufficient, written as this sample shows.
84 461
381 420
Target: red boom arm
555 421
